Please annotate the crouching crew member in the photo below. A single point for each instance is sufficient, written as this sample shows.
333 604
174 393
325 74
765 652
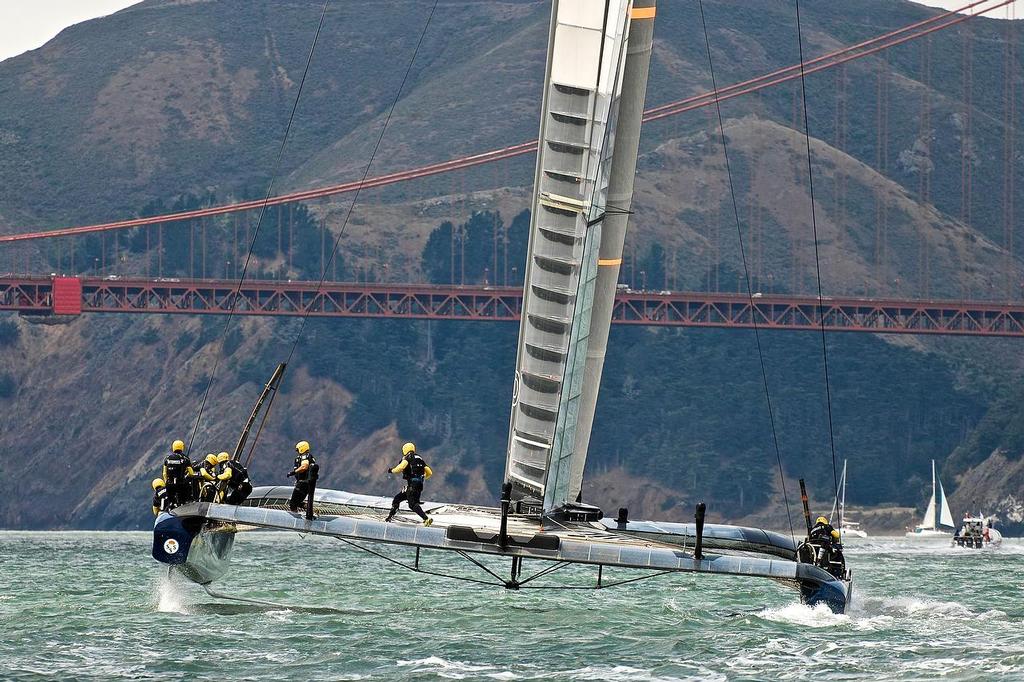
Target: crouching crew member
415 471
177 476
236 487
159 496
306 471
208 479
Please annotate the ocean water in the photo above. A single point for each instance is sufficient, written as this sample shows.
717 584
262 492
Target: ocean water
95 606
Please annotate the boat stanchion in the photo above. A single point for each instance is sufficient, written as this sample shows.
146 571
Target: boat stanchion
506 498
698 552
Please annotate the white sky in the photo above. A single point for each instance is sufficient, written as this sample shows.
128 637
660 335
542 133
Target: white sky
28 24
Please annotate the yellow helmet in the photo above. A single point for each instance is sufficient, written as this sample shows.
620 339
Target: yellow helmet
835 534
223 457
157 483
211 458
821 519
407 448
178 446
302 447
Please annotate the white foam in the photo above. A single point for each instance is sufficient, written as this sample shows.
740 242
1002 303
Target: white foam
169 595
817 616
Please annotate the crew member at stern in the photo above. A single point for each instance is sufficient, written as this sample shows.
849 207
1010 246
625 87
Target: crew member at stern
415 471
305 471
178 475
159 496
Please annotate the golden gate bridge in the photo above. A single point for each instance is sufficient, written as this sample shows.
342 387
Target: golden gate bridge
104 292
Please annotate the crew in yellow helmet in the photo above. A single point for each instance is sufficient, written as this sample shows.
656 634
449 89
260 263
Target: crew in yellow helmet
208 476
415 471
178 476
159 496
306 471
822 530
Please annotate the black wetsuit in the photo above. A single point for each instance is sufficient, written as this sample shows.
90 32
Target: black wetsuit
414 475
238 486
178 479
305 481
160 499
830 551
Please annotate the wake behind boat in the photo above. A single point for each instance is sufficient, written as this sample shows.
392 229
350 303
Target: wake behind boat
594 88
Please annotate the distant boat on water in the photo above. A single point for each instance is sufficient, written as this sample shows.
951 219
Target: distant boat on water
847 529
977 532
936 515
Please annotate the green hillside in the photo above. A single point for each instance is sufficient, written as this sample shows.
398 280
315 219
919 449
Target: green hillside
171 105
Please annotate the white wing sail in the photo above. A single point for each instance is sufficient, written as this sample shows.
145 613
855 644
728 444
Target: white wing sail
583 82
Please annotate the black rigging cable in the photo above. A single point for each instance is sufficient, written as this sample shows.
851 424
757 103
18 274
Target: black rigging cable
817 262
369 164
746 270
259 222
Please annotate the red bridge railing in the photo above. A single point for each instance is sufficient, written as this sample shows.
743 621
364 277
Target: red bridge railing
35 296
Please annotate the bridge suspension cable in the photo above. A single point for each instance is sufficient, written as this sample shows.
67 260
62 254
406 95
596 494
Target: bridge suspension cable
841 56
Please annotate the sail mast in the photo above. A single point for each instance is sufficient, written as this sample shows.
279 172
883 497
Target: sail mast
565 291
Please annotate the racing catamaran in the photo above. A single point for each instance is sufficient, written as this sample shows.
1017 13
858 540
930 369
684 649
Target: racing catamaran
594 90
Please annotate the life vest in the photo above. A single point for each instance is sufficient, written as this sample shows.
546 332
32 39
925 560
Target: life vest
160 500
415 470
304 476
176 468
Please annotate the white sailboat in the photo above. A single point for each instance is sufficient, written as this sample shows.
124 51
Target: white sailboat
847 528
936 515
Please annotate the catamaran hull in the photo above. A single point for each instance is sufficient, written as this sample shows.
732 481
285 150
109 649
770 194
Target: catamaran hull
198 550
204 550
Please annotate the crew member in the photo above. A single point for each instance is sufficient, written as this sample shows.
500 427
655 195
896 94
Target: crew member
822 530
237 486
305 471
833 560
177 476
160 499
208 479
221 475
415 471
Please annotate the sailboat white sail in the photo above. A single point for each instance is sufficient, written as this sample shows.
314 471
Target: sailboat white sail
936 514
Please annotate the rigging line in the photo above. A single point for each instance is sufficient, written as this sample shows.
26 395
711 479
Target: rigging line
746 271
355 199
480 565
544 572
817 261
263 210
598 587
406 566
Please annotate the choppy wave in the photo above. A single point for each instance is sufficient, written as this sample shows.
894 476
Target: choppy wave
917 613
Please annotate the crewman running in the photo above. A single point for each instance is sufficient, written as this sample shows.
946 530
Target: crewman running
305 471
159 496
177 476
415 471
